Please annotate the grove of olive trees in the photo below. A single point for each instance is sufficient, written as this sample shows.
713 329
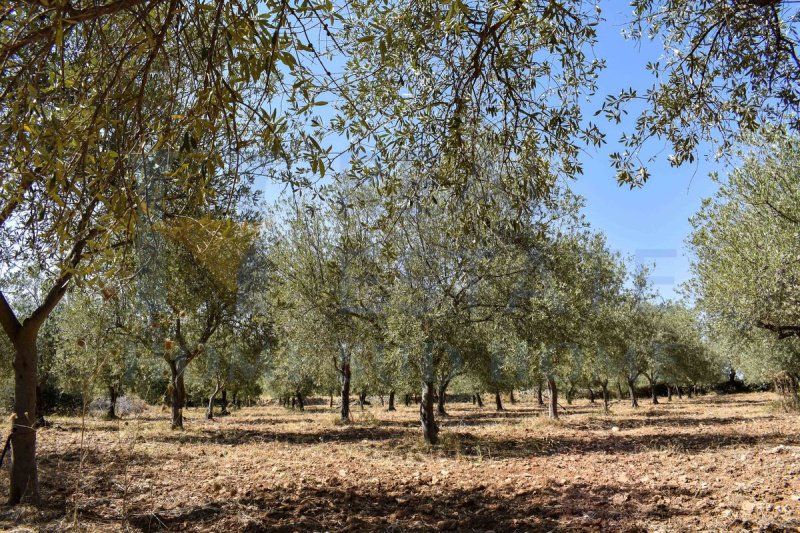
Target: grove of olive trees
427 248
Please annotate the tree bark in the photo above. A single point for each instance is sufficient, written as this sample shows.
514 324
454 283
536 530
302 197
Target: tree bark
112 403
391 401
619 391
430 431
498 401
210 411
539 397
604 391
653 393
632 391
552 389
441 398
407 400
178 368
511 397
24 475
669 393
362 399
224 410
345 392
591 395
480 400
300 403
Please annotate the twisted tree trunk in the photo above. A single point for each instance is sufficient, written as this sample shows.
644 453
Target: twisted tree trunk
430 430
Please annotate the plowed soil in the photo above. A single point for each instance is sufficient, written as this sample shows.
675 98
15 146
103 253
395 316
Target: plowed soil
714 463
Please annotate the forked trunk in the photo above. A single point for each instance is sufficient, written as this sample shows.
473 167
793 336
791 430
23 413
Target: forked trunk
391 401
552 389
429 428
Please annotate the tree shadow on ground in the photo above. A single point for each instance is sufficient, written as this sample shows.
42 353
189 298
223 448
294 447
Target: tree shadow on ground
607 423
491 448
239 435
572 507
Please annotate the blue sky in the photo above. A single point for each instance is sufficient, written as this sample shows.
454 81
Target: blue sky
650 223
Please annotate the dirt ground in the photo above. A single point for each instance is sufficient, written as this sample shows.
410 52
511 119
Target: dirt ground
713 463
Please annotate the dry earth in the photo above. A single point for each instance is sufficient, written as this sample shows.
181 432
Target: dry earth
716 463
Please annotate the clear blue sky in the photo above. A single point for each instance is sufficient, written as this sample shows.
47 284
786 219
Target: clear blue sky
650 223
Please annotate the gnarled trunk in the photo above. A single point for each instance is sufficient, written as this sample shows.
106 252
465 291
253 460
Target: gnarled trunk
391 401
210 410
300 403
632 390
430 431
552 389
440 399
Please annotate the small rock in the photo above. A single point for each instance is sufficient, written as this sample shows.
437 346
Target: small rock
615 428
748 507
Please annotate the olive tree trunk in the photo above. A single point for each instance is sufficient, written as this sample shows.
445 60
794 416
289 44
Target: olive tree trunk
178 396
430 431
24 475
498 401
345 391
552 390
391 401
440 400
632 390
111 414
